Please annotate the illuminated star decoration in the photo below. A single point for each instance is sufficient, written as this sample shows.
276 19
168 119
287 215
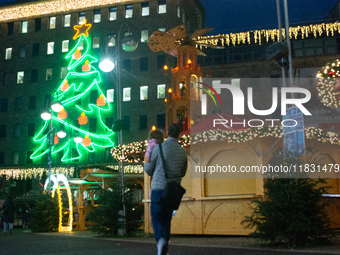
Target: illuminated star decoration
82 29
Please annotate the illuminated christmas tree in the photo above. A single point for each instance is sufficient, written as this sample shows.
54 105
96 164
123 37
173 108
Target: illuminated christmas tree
85 106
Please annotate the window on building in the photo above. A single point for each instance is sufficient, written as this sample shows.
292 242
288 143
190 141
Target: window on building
144 64
236 82
67 20
111 40
32 102
52 22
127 65
143 92
22 51
18 103
37 24
63 72
34 75
47 101
30 129
126 94
2 130
113 13
160 61
4 105
161 121
161 91
128 11
81 45
2 158
10 28
110 95
143 122
144 35
95 42
16 130
15 158
48 74
6 79
50 48
29 161
161 6
162 29
20 77
93 125
145 9
81 17
64 45
179 11
8 54
35 49
126 122
183 17
24 25
214 84
97 16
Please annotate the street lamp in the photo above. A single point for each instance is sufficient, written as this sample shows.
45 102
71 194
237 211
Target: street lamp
48 115
128 44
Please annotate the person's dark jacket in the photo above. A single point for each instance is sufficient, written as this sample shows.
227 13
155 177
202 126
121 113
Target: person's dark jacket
9 211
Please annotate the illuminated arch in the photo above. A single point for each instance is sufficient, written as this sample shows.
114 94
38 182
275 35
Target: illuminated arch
56 179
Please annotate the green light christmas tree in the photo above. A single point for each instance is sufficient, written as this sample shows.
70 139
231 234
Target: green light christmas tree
75 93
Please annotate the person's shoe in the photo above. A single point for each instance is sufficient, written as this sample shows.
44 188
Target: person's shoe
160 245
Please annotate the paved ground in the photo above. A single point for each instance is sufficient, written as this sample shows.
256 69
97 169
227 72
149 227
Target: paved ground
24 242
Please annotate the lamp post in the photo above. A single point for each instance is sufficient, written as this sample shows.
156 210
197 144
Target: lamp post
128 44
48 115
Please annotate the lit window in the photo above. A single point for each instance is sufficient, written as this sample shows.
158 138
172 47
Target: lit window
20 77
8 54
145 9
113 13
15 158
81 45
49 74
178 11
110 95
235 82
161 91
22 51
183 17
24 27
161 6
67 20
81 17
111 41
65 44
50 48
128 11
97 16
214 84
161 29
95 42
16 130
143 92
144 35
52 22
126 94
63 72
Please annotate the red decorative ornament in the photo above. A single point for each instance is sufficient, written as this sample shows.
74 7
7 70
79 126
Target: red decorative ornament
77 54
101 101
82 119
87 141
86 67
62 114
65 86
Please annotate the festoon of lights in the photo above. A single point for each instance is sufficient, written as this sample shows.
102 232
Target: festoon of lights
227 136
328 84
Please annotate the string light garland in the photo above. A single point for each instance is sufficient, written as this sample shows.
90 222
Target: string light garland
53 7
256 36
228 136
29 173
329 84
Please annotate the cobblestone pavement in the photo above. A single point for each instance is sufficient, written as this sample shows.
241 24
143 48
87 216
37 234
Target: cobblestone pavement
23 241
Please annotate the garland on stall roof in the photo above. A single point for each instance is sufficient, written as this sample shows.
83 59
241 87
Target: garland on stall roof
229 136
28 173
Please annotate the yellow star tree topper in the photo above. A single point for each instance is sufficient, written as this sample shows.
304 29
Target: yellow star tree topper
82 29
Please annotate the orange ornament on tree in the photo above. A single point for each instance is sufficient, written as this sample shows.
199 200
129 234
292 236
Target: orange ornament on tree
86 67
82 119
101 101
77 54
65 86
56 139
62 114
87 141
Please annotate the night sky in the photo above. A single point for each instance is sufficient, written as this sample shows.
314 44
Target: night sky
228 16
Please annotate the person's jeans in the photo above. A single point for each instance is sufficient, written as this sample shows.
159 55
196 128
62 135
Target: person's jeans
161 216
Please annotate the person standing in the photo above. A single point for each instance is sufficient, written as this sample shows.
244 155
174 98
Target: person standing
8 214
176 159
25 215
